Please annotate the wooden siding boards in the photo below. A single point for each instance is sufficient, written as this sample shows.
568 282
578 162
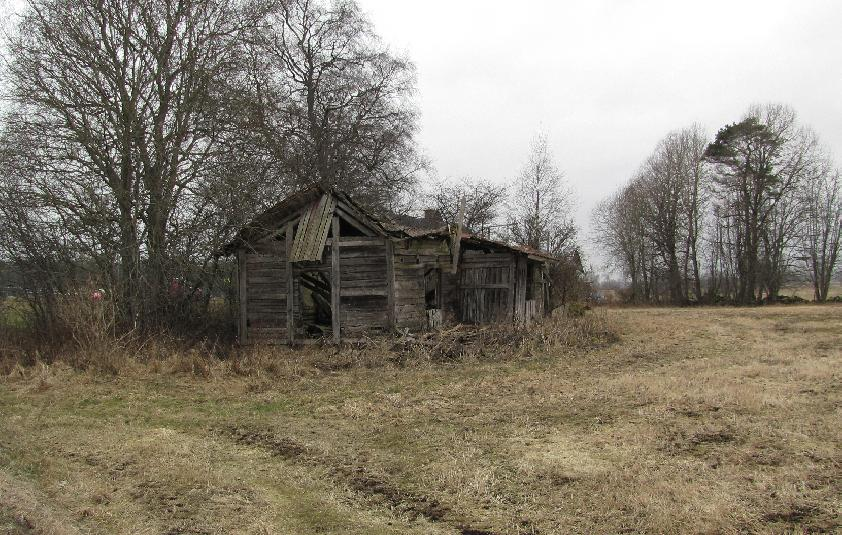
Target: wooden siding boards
364 292
335 282
390 283
485 287
520 289
242 293
263 301
290 319
409 294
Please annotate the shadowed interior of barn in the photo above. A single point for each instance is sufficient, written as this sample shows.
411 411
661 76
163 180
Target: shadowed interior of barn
317 265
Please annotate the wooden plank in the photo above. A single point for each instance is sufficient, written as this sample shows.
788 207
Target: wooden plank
298 241
258 259
335 283
243 293
268 331
368 252
370 272
457 240
290 286
363 292
311 235
356 241
362 260
264 280
470 256
502 286
510 296
364 283
490 264
312 232
324 230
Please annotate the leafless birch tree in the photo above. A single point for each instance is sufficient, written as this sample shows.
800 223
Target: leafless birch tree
540 211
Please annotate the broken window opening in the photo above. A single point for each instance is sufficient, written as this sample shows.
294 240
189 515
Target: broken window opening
432 288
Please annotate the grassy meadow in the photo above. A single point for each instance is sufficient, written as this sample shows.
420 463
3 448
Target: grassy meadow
705 420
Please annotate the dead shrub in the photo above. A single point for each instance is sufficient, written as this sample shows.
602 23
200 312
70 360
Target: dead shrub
555 334
97 346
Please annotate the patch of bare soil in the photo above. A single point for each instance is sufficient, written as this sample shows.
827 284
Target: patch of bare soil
375 489
808 518
679 441
11 524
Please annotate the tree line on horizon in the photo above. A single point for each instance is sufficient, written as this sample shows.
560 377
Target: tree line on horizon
138 136
729 219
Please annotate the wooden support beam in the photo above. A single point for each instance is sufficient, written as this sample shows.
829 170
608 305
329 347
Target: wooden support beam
390 284
510 298
356 241
335 283
290 285
457 240
364 292
242 291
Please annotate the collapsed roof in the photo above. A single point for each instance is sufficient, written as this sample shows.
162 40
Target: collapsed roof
314 198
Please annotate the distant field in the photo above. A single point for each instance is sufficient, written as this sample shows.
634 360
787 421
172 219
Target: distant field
805 291
704 420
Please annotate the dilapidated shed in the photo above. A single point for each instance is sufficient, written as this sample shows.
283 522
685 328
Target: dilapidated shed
318 265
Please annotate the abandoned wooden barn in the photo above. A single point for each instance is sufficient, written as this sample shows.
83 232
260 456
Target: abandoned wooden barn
317 265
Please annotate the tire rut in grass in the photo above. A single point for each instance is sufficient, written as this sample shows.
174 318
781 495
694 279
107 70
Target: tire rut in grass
355 476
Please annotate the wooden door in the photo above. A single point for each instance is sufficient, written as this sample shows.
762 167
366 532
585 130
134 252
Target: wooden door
485 287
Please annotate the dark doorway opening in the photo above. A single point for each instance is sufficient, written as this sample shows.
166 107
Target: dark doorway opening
433 297
314 304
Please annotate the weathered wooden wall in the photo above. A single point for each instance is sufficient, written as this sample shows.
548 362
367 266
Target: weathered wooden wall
381 285
364 286
412 259
485 286
264 308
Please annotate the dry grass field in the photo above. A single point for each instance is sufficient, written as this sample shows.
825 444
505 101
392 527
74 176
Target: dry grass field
708 420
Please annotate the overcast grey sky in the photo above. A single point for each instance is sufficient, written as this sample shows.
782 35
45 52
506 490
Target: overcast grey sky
605 79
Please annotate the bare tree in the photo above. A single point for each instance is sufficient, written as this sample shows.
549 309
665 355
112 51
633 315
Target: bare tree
620 229
335 103
652 226
121 107
693 142
674 179
821 228
540 205
483 202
